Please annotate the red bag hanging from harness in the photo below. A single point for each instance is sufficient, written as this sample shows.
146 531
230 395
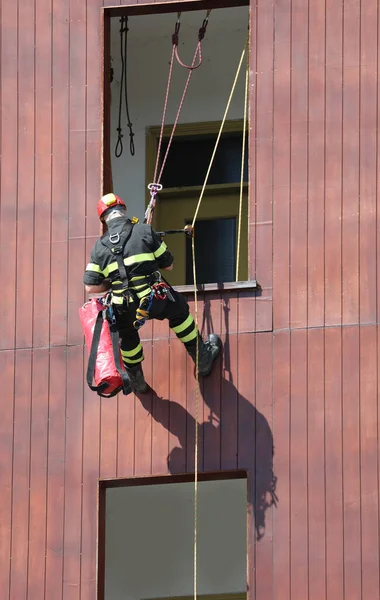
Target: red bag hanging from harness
104 362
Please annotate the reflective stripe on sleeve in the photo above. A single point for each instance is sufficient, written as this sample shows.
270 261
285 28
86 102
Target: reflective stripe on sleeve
94 267
160 250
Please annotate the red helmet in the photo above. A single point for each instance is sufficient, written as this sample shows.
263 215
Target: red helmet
108 201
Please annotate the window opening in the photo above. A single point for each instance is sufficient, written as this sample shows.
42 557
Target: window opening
146 543
195 135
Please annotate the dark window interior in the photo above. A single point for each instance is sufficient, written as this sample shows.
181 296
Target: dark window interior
189 158
215 251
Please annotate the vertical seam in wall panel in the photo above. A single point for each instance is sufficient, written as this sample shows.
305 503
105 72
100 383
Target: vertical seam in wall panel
342 452
307 169
360 458
68 175
12 477
64 483
377 160
30 463
14 312
324 447
359 157
324 183
377 428
256 23
290 166
272 282
51 160
17 172
84 355
290 463
342 187
47 463
34 178
377 272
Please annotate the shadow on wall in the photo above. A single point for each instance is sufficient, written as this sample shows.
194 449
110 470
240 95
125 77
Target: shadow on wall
255 440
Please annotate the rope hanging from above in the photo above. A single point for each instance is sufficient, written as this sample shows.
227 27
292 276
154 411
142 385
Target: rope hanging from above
196 317
124 92
156 186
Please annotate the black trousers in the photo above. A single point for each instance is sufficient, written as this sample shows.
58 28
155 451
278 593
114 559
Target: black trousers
177 313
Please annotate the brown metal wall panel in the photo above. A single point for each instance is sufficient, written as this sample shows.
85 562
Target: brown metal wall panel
351 462
333 163
125 437
333 469
7 369
177 408
281 172
143 422
73 475
263 157
160 406
56 454
9 182
299 575
282 465
369 461
351 164
316 166
368 161
42 179
316 464
38 473
21 475
91 453
298 164
77 165
108 437
25 176
229 401
60 171
262 470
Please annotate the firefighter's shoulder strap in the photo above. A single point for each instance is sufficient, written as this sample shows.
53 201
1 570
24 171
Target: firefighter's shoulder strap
116 243
126 387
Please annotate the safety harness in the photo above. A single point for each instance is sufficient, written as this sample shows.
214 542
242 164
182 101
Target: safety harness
159 289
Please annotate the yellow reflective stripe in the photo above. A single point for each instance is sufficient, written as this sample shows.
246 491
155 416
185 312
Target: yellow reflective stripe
136 258
138 287
160 250
117 299
119 291
184 325
110 268
134 361
139 277
144 293
93 267
188 337
126 353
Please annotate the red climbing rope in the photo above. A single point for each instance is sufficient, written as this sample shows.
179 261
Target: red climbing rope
155 187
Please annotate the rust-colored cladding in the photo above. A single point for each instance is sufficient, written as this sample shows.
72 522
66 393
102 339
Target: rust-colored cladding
301 361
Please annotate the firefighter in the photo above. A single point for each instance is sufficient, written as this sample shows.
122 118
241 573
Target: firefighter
125 261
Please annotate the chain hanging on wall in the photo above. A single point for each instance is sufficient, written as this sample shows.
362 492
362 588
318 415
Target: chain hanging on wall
124 92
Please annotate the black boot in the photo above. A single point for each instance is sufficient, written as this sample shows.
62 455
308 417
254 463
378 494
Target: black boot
136 376
208 351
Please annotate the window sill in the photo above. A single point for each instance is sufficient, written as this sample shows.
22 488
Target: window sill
217 287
